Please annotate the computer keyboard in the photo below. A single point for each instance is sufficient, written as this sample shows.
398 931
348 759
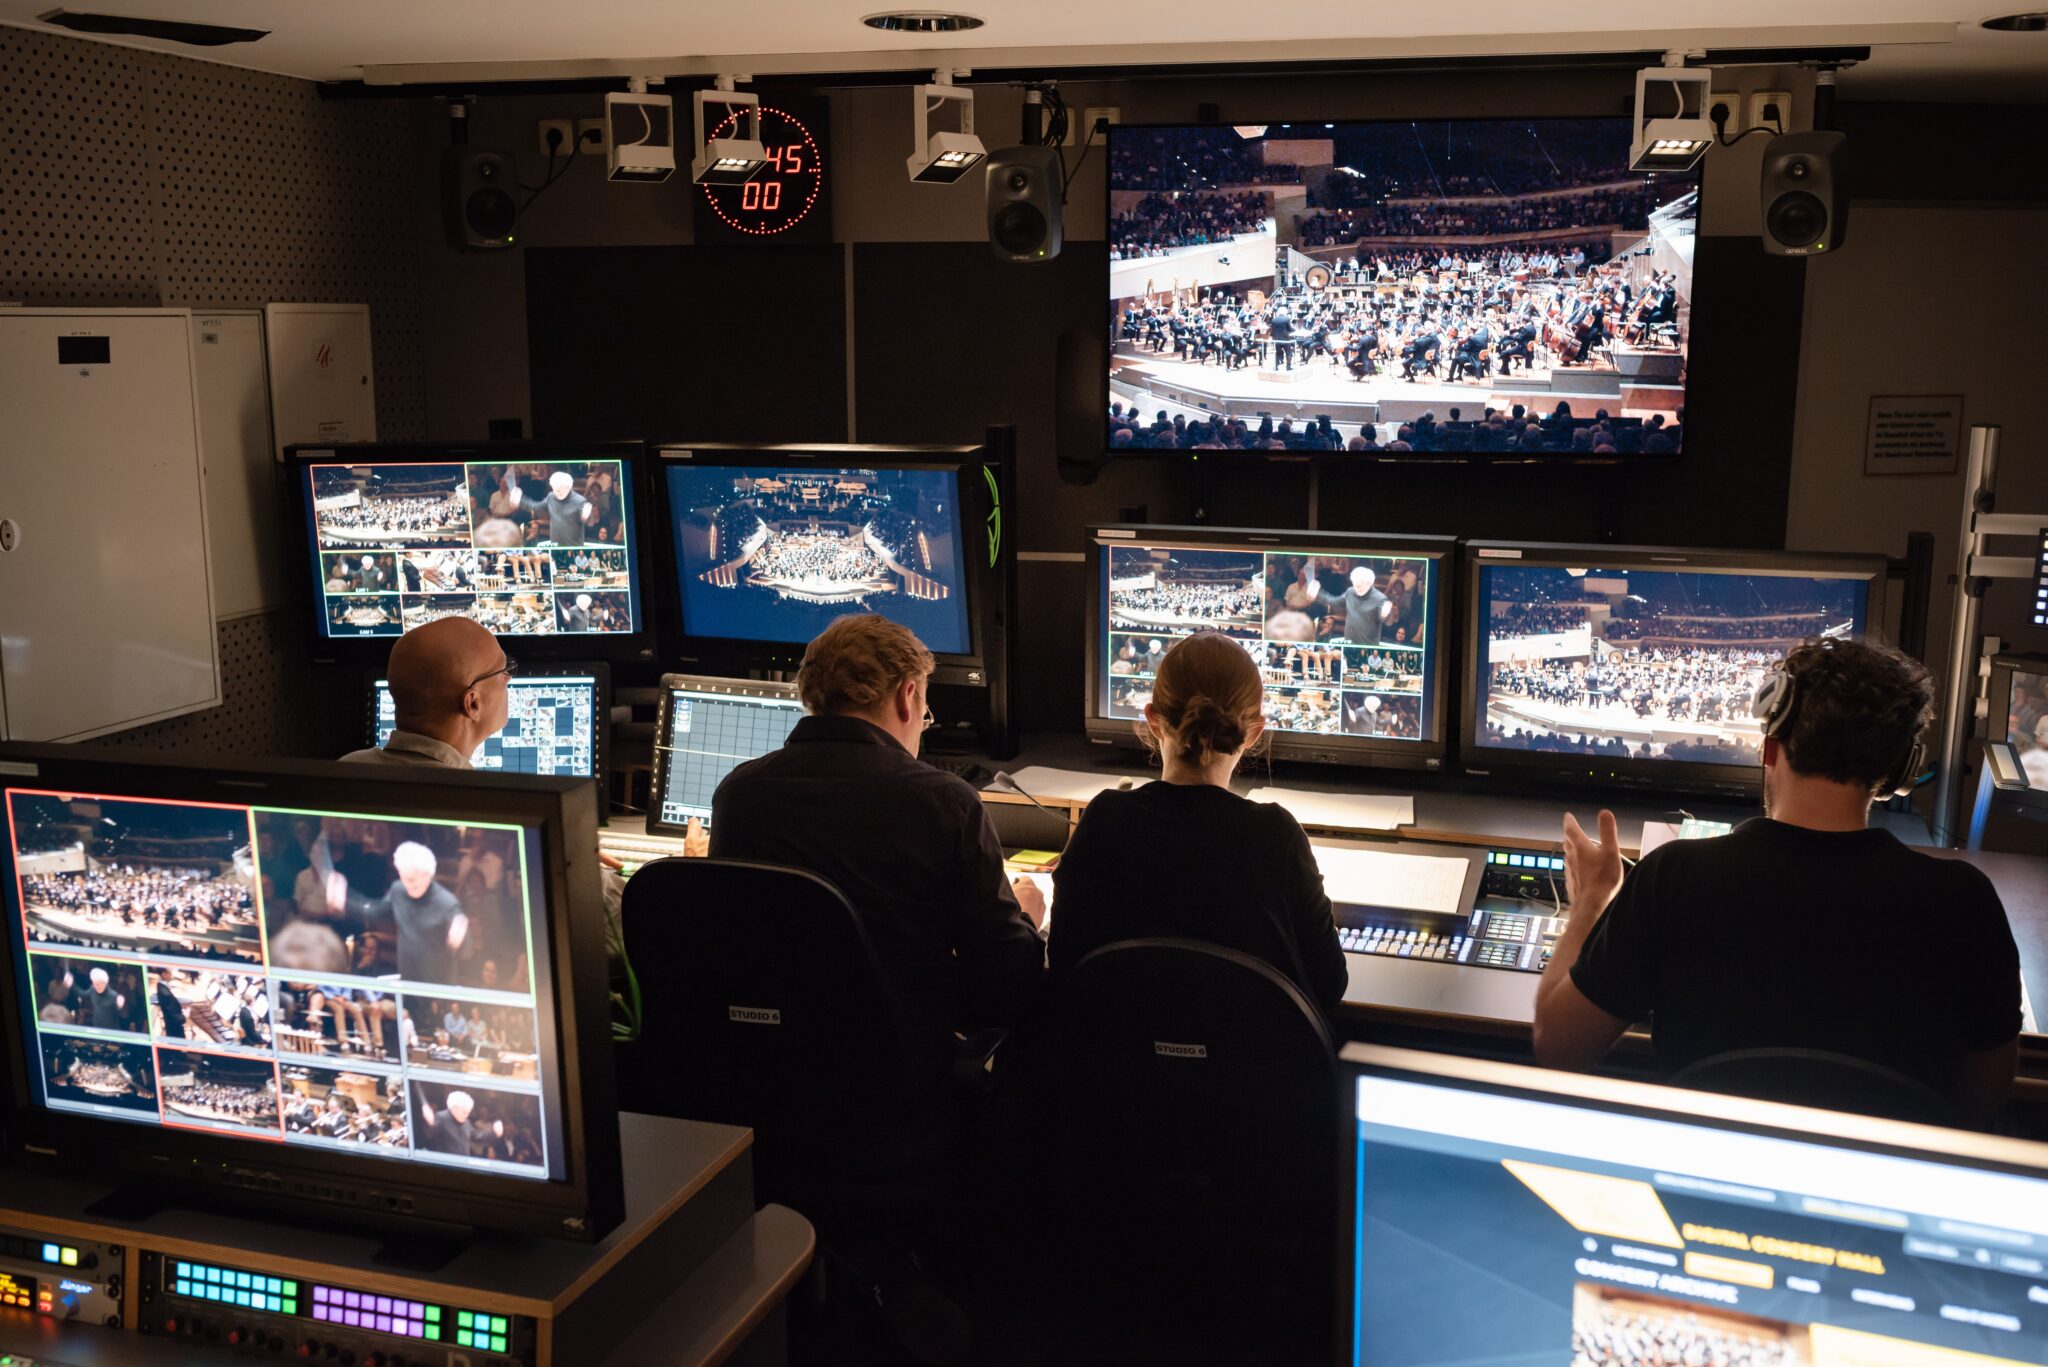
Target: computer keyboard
635 849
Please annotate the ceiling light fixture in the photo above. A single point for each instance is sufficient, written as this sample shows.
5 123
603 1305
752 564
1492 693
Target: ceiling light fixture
2036 22
942 158
921 21
734 160
1678 141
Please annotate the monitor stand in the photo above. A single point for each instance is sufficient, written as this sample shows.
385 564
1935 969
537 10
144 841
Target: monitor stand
407 1243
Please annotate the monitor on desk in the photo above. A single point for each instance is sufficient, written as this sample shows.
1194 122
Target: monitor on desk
704 729
538 542
1635 666
557 719
2018 715
342 991
768 545
1500 1213
1346 627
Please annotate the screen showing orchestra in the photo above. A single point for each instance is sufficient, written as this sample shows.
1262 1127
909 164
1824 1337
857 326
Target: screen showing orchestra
527 548
1459 286
342 981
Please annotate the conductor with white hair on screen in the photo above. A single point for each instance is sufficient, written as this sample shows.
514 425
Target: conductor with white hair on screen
568 512
431 923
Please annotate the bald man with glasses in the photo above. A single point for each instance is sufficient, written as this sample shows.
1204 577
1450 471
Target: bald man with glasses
450 692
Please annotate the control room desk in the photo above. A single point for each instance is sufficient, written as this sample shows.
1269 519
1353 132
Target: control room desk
1400 997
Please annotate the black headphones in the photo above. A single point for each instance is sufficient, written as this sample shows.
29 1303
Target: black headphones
1775 704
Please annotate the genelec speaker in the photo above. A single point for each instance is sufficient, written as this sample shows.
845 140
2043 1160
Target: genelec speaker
1024 198
478 202
1805 212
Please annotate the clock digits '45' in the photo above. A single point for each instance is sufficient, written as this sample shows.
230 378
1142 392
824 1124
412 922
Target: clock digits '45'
784 191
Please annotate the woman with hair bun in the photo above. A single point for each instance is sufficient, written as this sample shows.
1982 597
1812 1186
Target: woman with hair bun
1186 857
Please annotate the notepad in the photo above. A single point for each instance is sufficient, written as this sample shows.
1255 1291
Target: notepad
1341 811
1388 878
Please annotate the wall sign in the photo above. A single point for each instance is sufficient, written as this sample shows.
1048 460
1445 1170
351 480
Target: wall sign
788 200
1914 434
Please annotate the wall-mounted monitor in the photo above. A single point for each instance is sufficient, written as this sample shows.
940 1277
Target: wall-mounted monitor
537 542
768 545
343 991
1347 629
1472 288
1635 665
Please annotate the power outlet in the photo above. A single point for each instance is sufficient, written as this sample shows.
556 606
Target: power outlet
1095 115
1724 112
592 138
564 131
1771 109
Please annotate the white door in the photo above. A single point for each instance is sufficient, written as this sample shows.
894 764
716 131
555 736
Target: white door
243 516
106 612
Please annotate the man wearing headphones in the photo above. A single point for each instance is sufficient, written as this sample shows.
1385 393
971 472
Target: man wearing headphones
1804 928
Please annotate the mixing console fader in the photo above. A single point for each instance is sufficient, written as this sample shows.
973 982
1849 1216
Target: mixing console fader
1513 925
59 1276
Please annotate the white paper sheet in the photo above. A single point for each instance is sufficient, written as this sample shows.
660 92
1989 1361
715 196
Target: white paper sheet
1341 811
1387 878
1065 785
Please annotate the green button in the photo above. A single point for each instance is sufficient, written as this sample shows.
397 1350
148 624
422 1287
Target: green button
434 1332
499 1324
498 1343
291 1307
464 1320
291 1288
434 1313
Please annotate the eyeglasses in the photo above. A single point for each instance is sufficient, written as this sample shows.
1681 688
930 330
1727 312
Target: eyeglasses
929 720
508 669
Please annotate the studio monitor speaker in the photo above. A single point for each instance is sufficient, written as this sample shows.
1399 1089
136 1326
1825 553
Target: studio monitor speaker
479 203
1805 211
1024 201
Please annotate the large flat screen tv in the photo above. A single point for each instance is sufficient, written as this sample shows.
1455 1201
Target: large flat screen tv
339 991
1636 665
1498 288
539 542
1346 627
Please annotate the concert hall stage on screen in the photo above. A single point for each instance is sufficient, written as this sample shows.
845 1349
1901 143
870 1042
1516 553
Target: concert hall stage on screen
1405 287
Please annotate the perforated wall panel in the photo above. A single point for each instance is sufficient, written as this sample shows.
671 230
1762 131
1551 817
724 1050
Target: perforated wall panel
134 177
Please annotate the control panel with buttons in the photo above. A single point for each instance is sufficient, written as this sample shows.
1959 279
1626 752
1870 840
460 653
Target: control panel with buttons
1513 925
59 1276
295 1317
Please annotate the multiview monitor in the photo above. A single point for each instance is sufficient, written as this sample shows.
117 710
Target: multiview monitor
1637 665
339 977
557 721
770 544
1412 288
704 729
1346 628
538 543
1505 1214
2018 713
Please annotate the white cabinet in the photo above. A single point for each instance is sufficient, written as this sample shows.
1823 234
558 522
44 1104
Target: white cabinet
106 603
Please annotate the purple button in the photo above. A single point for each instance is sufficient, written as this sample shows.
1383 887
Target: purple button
319 1312
383 1305
319 1293
352 1317
353 1300
412 1329
382 1323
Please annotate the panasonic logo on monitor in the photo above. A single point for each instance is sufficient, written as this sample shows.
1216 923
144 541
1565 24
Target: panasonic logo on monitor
1168 1050
753 1015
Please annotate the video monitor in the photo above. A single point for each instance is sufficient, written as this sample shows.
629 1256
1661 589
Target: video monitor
1630 664
769 545
704 729
536 543
1467 288
2018 712
557 720
307 967
1498 1213
1345 628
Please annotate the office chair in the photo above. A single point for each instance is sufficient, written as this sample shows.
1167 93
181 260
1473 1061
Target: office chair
1815 1077
1198 1150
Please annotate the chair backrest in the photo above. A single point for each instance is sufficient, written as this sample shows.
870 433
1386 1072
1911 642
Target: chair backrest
762 1004
1198 1087
1816 1077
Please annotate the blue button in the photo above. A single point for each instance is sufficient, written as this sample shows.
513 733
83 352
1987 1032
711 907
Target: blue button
50 1253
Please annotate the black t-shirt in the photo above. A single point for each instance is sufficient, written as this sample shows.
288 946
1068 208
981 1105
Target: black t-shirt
1779 936
1196 862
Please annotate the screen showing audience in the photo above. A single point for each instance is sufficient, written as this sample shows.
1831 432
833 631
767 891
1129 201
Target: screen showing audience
706 736
2026 724
1344 642
326 980
550 726
533 548
769 553
1503 1229
1442 286
1643 664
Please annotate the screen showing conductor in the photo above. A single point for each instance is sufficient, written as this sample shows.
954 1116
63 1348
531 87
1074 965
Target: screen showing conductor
1343 641
1643 664
772 553
335 980
527 548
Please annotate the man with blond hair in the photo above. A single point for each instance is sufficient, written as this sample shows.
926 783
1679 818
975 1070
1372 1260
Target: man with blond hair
847 798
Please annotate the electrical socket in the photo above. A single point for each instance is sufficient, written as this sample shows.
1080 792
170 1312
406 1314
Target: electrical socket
1089 118
1729 108
564 129
593 139
1771 109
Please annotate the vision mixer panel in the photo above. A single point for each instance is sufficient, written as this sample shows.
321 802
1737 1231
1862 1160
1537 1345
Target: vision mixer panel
1513 925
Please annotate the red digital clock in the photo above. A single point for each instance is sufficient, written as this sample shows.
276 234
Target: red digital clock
786 199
